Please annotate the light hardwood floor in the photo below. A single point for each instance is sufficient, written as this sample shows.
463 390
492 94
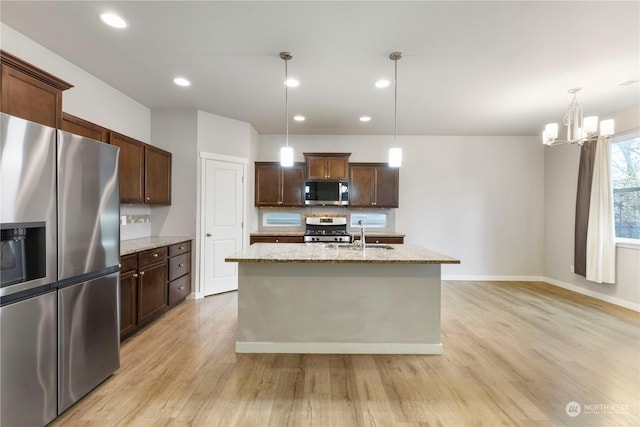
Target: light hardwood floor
515 354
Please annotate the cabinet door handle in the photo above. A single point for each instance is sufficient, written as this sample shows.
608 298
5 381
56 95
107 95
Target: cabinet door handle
277 241
208 234
142 273
181 288
155 255
135 275
148 198
180 265
181 248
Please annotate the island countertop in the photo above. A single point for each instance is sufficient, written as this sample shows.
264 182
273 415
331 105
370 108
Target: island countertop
333 253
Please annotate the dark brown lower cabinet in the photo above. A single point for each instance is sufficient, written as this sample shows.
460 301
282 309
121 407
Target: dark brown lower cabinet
276 239
128 302
152 291
151 282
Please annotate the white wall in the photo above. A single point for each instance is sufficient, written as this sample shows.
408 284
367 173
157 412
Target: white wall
561 178
220 135
479 199
176 131
90 98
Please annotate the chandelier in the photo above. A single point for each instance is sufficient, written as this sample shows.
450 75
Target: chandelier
579 128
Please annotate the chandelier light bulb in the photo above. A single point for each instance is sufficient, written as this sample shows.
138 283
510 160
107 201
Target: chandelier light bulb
590 124
606 127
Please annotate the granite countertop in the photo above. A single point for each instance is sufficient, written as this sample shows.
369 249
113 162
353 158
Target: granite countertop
301 233
337 253
136 245
278 233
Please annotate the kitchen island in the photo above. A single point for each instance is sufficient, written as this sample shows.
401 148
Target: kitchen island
334 298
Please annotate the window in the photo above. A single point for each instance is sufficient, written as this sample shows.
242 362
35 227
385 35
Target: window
625 176
370 219
281 219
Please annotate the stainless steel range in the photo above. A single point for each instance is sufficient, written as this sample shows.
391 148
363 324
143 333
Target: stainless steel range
326 229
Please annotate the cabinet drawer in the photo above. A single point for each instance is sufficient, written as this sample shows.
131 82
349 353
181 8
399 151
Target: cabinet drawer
179 248
179 266
385 240
152 256
128 263
179 289
276 239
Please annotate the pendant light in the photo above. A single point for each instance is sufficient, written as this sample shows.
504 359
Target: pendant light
395 152
286 152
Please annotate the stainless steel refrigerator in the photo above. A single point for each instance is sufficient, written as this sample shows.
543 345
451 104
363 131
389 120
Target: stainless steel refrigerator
59 312
88 265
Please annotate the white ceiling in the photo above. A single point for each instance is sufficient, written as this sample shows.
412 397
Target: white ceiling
469 68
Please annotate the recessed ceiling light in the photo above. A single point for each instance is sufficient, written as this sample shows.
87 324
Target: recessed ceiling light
365 119
299 118
382 83
113 20
181 81
292 83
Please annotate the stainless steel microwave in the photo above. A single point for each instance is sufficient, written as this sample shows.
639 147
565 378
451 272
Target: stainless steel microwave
326 193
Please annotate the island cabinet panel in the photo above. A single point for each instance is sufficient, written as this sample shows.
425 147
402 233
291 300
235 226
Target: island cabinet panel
29 92
157 176
279 186
276 239
84 128
327 165
373 185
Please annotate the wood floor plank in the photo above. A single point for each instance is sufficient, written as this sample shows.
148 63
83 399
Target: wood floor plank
515 354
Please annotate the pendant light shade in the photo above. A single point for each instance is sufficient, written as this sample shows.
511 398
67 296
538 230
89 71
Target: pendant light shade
395 152
286 152
286 156
395 157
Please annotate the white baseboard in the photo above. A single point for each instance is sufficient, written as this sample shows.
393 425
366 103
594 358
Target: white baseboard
597 295
195 295
578 289
337 348
494 278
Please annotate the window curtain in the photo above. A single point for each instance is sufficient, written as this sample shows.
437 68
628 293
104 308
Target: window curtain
594 249
601 235
583 200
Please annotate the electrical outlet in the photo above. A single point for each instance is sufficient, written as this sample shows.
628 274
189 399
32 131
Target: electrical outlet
571 269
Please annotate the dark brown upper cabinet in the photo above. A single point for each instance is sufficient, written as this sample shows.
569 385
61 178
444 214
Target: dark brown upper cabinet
373 185
29 92
82 127
279 186
157 176
327 165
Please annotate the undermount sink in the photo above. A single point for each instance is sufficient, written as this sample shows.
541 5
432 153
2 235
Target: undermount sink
356 246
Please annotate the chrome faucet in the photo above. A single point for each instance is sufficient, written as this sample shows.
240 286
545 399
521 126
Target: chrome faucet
362 241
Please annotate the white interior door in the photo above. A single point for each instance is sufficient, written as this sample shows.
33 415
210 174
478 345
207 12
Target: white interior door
224 195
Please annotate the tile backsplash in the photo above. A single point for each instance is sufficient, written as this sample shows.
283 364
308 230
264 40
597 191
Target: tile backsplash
135 222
